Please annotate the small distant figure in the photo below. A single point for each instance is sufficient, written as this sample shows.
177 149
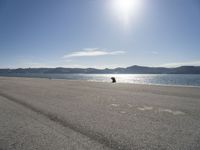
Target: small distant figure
113 79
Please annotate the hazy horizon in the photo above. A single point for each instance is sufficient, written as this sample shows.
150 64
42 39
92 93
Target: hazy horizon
100 68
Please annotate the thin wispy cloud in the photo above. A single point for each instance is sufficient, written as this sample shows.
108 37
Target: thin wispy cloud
178 64
154 52
92 52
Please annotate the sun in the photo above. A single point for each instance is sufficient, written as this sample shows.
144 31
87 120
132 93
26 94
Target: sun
125 10
124 6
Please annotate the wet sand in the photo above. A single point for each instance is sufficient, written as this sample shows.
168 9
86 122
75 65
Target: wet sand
62 114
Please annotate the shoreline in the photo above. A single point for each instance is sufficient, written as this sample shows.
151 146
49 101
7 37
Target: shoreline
150 84
141 88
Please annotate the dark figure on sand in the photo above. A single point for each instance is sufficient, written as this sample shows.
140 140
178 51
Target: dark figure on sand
113 79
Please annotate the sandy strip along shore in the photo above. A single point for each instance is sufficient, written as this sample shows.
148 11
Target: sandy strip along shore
90 115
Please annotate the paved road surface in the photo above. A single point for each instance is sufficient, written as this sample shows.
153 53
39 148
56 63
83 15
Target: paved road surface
59 114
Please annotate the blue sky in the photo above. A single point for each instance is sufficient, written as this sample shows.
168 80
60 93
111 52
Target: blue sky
97 33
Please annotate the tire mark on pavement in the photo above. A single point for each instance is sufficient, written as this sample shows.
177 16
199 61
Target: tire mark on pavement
93 135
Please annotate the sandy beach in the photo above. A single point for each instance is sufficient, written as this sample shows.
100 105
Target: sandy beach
63 114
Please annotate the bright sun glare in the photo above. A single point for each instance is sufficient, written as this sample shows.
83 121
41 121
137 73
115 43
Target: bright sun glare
126 9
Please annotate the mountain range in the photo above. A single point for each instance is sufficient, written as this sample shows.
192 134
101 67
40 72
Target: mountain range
128 70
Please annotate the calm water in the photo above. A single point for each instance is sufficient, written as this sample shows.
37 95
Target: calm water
161 79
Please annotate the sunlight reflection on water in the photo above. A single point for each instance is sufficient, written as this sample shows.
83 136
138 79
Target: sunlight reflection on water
122 78
159 79
162 79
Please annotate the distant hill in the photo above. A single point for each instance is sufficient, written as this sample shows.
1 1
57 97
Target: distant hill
129 70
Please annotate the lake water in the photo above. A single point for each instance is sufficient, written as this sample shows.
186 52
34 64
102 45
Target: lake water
157 79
